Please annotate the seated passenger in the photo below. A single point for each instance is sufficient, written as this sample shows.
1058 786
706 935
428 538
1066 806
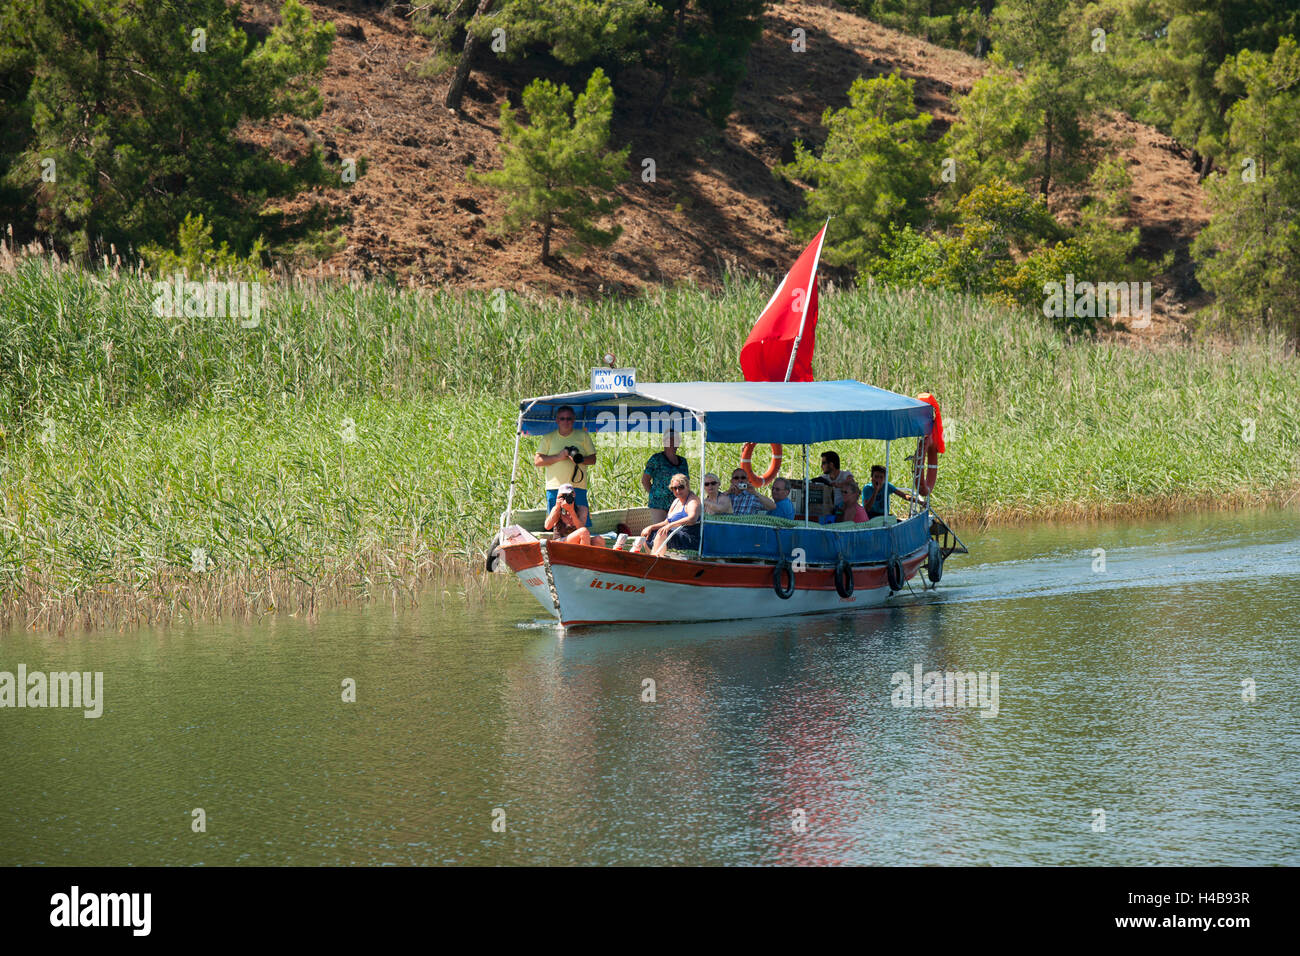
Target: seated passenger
781 495
876 501
833 476
744 499
566 521
683 519
658 474
712 502
853 511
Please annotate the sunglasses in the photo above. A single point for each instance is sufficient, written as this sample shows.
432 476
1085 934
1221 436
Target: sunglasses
709 484
737 477
676 487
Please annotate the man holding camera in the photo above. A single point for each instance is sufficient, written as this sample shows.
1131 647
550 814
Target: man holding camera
746 500
566 454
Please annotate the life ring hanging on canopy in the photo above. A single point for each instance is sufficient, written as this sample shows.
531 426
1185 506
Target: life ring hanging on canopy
758 481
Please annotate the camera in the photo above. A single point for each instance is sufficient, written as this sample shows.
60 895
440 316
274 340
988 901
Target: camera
575 454
742 485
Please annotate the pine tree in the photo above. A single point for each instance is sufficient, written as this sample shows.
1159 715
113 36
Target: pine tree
1249 253
962 24
876 168
15 115
995 129
571 31
558 172
133 116
1170 51
700 48
1051 48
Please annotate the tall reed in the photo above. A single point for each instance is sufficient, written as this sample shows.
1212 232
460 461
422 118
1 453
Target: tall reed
359 438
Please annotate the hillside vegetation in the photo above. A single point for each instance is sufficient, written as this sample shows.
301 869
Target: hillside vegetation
714 205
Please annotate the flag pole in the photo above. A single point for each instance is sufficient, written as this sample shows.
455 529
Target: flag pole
807 298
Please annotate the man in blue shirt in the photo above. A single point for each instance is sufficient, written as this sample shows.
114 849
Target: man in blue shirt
781 495
875 497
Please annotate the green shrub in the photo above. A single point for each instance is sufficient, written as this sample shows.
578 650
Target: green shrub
559 172
196 254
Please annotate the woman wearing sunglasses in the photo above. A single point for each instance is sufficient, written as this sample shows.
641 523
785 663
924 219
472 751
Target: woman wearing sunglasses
714 502
682 524
659 473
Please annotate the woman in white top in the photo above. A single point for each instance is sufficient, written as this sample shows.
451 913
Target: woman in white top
715 503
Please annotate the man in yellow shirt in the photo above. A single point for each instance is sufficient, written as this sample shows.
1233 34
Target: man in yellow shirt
566 454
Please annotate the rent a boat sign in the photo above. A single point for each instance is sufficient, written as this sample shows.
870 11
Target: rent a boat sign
613 379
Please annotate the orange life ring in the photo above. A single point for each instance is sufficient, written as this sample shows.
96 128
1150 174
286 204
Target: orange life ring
930 470
756 480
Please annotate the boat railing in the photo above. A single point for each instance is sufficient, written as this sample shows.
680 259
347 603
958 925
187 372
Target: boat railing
602 522
730 537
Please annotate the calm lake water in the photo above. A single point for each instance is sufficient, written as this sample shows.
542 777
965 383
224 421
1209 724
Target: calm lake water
1119 690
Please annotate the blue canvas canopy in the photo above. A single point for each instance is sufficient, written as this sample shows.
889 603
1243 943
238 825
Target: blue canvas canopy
791 413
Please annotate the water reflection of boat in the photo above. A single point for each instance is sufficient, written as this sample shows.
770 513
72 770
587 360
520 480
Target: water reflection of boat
744 566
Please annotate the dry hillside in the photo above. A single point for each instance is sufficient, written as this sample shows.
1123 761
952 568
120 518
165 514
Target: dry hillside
715 205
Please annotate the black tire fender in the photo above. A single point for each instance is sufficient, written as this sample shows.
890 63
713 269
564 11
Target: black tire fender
493 553
843 578
934 562
783 567
894 573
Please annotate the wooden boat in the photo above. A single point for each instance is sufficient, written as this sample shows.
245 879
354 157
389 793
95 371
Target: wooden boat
745 566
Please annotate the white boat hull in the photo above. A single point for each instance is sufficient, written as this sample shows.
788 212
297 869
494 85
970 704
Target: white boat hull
582 585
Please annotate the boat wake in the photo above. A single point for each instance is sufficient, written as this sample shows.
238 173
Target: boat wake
1208 561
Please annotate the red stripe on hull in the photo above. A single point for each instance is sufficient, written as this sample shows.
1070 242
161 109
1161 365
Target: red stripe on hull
708 573
521 557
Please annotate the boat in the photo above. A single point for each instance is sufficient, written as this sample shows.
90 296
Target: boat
744 566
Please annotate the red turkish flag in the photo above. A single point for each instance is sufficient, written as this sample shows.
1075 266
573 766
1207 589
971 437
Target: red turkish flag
765 356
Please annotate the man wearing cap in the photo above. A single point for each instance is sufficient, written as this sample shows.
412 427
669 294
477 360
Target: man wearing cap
567 454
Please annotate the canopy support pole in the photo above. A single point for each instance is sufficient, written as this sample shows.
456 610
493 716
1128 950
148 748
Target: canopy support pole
887 495
704 433
918 463
806 488
514 473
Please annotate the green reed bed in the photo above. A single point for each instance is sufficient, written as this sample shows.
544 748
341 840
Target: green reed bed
358 440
